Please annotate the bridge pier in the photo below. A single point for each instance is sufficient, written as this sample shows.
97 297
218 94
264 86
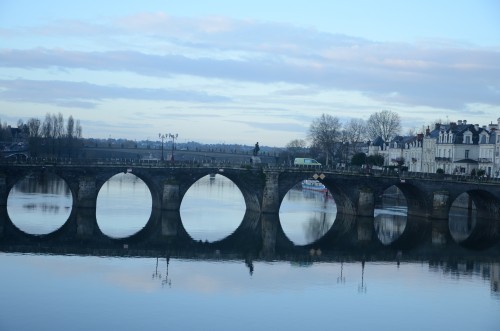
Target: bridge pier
3 191
86 197
440 232
440 205
366 202
86 223
171 199
271 197
269 223
170 223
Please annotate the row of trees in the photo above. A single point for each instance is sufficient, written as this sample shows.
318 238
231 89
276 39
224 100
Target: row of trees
52 137
334 140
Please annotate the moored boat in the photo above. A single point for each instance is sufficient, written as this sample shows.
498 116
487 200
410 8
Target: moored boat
313 184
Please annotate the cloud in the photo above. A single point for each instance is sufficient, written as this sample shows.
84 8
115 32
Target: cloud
86 95
443 75
444 79
285 127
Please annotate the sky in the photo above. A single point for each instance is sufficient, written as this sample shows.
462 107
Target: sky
225 71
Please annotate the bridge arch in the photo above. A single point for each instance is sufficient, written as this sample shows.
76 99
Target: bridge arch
212 208
482 209
416 199
113 193
344 202
48 212
146 177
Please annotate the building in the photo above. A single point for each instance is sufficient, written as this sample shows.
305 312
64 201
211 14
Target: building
456 148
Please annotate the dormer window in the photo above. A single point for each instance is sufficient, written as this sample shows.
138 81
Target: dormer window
483 139
467 137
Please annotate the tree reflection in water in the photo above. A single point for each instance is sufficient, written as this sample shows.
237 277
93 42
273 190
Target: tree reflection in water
307 215
317 226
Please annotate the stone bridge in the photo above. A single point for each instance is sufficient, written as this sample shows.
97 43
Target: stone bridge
264 189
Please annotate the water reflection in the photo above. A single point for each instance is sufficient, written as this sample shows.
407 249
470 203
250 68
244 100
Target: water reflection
463 217
124 206
206 293
307 215
212 208
390 215
39 204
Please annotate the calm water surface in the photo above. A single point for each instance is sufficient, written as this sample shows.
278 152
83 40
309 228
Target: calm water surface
67 292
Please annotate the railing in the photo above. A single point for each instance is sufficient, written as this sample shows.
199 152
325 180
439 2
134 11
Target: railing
353 170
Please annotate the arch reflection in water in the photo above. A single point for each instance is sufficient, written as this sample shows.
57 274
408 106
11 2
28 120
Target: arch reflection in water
462 217
124 206
212 208
39 204
390 215
306 215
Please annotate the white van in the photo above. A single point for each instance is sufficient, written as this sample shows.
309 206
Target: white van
305 162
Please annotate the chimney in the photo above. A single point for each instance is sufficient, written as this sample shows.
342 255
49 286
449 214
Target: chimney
465 122
459 122
476 127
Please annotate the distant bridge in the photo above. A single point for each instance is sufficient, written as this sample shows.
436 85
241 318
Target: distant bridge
264 189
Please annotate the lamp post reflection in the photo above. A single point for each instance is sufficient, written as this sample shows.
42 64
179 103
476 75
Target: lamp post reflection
362 286
157 275
167 280
341 278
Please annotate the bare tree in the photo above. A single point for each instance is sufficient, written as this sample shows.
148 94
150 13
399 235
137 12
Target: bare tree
356 132
58 126
385 124
295 147
78 129
47 126
70 127
34 127
324 133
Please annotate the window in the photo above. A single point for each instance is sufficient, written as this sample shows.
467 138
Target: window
466 153
467 139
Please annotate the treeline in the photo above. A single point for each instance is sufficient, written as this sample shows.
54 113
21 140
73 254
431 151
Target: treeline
333 142
53 137
5 132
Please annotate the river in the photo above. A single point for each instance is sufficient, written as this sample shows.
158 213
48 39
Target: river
217 291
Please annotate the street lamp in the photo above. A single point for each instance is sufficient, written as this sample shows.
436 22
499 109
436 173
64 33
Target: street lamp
162 136
173 136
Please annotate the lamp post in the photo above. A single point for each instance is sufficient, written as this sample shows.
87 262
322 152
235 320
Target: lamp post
173 136
162 136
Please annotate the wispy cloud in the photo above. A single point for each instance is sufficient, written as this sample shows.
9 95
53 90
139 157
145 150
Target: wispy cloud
407 75
86 95
236 67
